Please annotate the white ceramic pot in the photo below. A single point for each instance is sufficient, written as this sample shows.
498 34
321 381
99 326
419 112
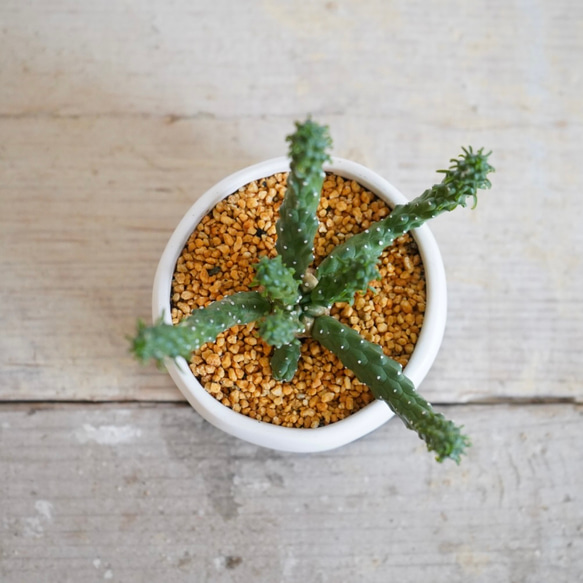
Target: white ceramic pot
354 426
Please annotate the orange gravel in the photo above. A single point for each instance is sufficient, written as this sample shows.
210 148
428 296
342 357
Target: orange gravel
218 260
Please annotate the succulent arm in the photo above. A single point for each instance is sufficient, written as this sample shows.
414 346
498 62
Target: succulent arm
280 287
280 327
277 281
386 380
203 325
345 271
284 360
298 223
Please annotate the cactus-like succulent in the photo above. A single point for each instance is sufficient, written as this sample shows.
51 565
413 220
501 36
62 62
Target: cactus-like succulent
292 300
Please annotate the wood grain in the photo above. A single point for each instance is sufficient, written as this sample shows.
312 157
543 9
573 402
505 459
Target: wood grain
138 494
86 214
101 155
114 118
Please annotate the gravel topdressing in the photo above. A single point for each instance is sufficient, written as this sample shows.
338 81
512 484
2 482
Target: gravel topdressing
218 261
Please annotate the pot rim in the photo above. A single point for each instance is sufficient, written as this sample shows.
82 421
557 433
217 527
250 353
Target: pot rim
355 425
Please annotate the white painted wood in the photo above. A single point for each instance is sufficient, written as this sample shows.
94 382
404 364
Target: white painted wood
115 116
85 217
132 494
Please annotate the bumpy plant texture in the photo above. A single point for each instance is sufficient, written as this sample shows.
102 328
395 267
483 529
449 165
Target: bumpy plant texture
293 302
298 224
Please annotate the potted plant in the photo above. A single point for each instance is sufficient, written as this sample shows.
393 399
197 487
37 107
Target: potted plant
292 298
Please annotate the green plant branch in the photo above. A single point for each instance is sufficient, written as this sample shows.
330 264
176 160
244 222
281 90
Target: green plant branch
386 380
203 325
298 223
281 326
284 361
277 281
345 270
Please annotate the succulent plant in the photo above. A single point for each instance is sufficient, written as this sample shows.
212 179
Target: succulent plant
292 300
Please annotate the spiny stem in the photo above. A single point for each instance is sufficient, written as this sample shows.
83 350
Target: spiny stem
298 223
281 326
203 325
284 361
277 281
345 271
386 380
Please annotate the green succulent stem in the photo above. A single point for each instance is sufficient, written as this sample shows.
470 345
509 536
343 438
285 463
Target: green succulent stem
284 360
203 325
281 326
297 224
387 382
277 281
352 265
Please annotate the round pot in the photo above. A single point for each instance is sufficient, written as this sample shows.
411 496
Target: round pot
355 425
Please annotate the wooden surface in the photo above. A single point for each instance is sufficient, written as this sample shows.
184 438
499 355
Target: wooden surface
153 493
114 118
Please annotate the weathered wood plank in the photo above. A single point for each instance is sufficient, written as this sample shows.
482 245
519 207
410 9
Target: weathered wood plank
133 494
85 214
114 117
101 155
491 62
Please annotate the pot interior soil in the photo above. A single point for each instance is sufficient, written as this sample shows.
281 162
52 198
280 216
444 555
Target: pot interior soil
218 260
